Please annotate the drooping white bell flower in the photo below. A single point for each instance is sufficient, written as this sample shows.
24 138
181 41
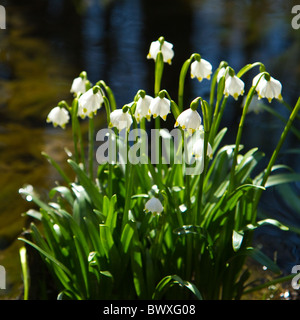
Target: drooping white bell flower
90 102
121 119
154 206
160 107
195 149
267 87
201 69
189 120
142 108
222 73
78 86
198 148
164 46
58 116
234 86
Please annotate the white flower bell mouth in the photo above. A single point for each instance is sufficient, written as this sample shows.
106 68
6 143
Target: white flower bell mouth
58 116
234 86
90 102
121 119
160 106
165 47
189 120
267 87
201 69
142 108
222 73
154 206
78 86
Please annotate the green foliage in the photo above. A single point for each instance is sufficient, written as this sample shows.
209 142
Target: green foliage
99 243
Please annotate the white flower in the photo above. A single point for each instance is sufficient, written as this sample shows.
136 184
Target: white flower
142 108
189 120
234 86
198 147
166 49
201 69
267 88
120 119
58 116
154 206
89 103
222 73
160 107
195 148
78 86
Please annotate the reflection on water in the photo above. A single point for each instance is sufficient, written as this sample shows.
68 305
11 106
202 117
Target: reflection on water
48 43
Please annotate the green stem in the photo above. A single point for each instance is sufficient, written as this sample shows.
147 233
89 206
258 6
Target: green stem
109 93
213 87
188 191
25 271
216 123
91 146
75 125
128 185
216 115
182 76
207 127
248 67
159 68
201 181
110 166
276 152
239 134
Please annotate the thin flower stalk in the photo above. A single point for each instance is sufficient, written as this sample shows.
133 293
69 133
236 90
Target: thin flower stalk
239 136
91 146
207 126
182 76
275 154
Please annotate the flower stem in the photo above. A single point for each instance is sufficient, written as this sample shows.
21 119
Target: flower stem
109 93
201 181
239 134
129 173
159 68
182 76
276 152
75 125
207 127
91 146
217 120
238 138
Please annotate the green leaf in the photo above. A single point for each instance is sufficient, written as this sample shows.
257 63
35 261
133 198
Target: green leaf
261 258
137 266
126 237
65 193
109 210
282 178
108 245
218 139
237 239
272 222
88 185
83 264
168 281
49 256
57 167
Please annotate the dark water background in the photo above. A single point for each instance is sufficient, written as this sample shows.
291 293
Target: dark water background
48 43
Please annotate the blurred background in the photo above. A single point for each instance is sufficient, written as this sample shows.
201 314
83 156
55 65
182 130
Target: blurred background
46 44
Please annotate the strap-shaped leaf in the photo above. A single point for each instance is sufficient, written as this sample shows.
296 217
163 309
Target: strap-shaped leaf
168 281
